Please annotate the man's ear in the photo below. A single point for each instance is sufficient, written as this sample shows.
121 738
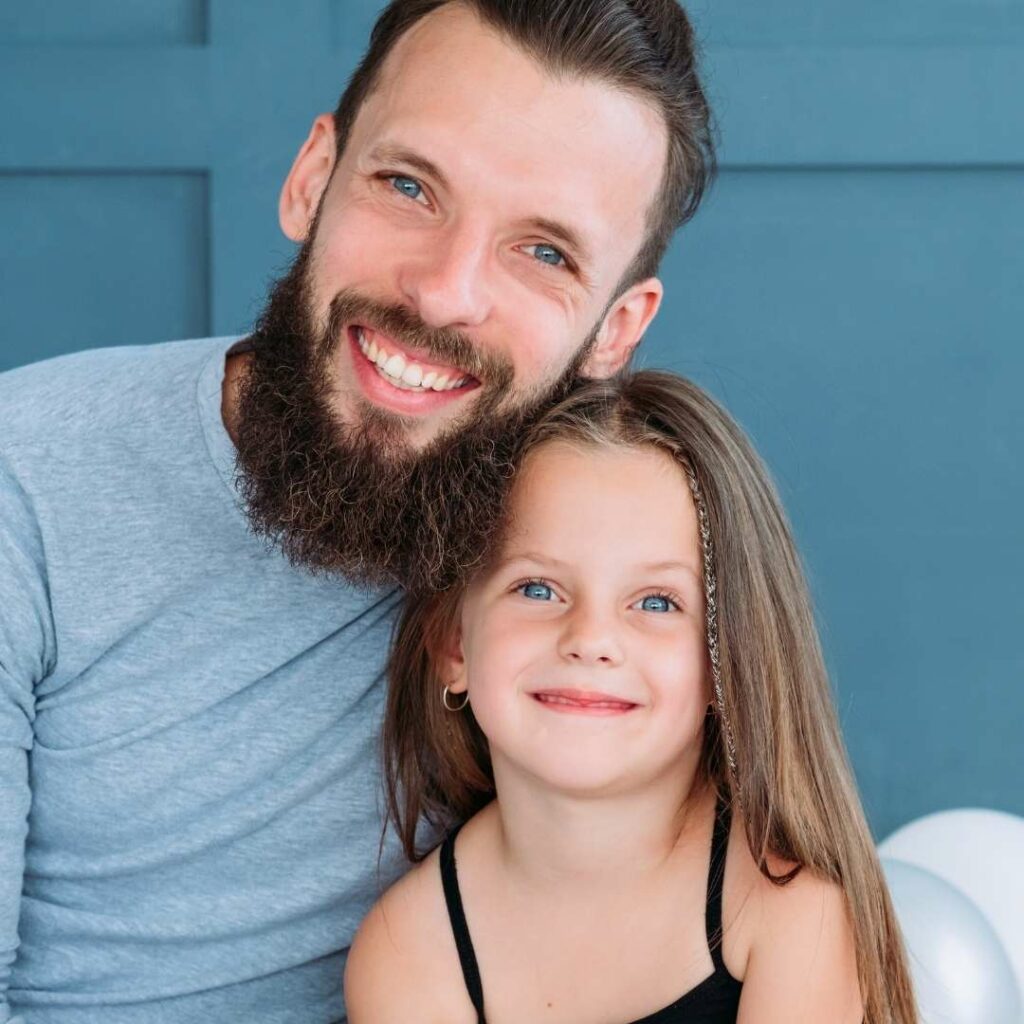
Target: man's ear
623 327
306 181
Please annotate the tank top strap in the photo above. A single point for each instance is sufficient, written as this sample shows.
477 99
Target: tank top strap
460 928
716 879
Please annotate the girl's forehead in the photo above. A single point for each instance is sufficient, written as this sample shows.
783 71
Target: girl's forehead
577 497
559 468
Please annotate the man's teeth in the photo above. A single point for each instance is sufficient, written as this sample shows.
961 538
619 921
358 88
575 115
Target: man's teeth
408 376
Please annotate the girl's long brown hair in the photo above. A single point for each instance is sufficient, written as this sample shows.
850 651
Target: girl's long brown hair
791 779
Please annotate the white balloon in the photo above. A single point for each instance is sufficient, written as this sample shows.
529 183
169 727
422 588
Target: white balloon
961 972
980 852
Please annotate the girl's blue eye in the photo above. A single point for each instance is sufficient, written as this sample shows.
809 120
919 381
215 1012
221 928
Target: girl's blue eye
657 603
537 591
548 254
407 186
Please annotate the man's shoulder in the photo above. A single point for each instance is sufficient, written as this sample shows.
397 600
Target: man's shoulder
99 391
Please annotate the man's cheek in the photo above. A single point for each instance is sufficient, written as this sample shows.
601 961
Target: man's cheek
354 258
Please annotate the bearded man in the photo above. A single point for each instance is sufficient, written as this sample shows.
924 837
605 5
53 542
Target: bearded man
203 544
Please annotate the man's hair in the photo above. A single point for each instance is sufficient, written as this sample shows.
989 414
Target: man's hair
645 47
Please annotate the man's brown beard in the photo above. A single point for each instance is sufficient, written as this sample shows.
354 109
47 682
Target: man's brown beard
355 498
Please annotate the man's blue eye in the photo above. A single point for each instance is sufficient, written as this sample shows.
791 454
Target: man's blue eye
537 591
548 254
656 603
407 186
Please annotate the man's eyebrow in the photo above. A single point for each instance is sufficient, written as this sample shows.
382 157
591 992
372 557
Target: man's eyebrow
388 153
562 233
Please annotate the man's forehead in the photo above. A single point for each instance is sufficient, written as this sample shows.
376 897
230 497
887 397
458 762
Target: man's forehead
463 97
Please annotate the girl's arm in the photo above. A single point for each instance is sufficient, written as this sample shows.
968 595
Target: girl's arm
403 965
802 967
377 974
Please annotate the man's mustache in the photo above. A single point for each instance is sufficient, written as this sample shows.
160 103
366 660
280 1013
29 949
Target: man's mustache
440 344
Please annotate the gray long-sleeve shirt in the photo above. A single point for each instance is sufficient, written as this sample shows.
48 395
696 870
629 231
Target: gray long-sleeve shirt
189 790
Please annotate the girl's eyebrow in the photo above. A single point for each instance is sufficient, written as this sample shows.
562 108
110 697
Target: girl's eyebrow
531 556
673 565
669 565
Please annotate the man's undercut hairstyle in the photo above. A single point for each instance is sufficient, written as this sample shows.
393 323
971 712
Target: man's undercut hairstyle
645 47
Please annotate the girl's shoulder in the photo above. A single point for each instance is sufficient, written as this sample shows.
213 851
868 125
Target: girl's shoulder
791 942
403 964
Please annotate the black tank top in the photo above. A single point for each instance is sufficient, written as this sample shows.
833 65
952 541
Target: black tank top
715 1000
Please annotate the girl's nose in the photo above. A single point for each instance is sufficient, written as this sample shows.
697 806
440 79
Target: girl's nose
591 637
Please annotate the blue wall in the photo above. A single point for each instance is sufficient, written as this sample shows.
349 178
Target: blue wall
852 290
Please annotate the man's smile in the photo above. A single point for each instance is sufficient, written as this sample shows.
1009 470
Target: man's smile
403 368
401 379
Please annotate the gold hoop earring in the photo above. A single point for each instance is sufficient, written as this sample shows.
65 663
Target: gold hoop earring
459 707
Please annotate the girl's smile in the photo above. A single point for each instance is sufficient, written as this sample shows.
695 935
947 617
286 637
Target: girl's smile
582 702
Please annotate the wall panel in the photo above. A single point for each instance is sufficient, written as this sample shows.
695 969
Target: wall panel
864 324
145 22
100 259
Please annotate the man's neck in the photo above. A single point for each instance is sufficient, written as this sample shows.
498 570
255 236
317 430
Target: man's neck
235 367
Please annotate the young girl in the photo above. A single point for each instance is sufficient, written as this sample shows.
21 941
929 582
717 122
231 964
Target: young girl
624 725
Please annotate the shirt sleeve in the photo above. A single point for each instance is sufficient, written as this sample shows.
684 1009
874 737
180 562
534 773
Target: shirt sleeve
27 654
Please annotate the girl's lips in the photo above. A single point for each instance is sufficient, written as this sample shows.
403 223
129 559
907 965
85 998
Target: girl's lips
585 702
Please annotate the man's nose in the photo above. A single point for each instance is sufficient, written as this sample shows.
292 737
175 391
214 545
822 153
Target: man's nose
591 636
446 283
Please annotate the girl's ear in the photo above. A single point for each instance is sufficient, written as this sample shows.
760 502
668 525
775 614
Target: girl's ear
452 663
